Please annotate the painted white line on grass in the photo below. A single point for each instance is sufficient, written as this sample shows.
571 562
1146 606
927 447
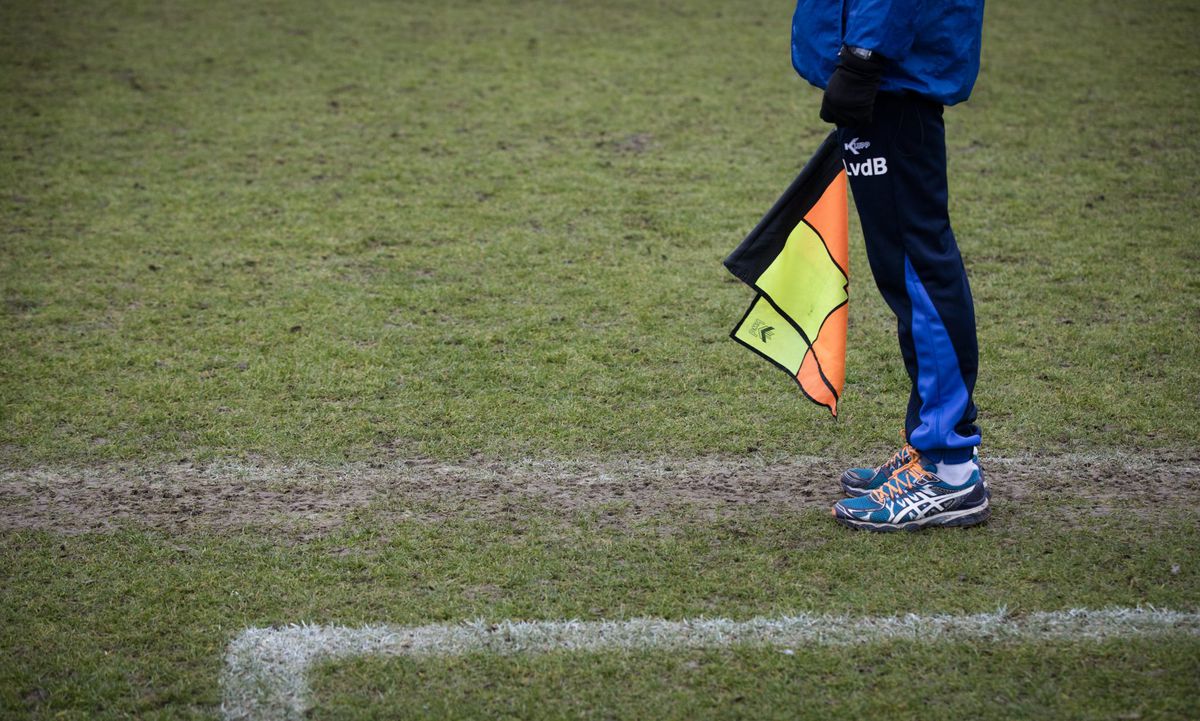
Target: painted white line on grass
266 668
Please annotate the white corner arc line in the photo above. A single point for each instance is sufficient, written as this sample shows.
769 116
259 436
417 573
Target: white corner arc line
266 669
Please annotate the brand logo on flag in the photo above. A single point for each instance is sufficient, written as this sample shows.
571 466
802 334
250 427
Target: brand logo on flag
763 330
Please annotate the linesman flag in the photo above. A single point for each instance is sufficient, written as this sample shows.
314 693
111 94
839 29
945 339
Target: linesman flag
797 260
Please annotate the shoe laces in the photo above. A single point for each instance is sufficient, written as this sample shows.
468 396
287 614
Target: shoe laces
906 454
903 479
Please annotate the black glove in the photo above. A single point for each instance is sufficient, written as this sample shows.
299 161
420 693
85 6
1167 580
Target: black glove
850 96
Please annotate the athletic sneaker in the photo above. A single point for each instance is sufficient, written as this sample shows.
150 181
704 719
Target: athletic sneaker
860 481
915 498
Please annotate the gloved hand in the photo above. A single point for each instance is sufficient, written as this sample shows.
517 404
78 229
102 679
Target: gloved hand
850 96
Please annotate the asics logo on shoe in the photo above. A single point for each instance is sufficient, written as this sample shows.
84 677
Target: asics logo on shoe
856 145
921 503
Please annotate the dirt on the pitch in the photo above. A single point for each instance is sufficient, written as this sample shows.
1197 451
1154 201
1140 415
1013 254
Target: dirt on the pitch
314 499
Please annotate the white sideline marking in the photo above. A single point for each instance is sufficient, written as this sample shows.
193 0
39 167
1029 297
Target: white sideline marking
266 668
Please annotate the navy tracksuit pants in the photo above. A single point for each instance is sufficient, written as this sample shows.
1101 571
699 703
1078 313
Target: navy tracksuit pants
897 171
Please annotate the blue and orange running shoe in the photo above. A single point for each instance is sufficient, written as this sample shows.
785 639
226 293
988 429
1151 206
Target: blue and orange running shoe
861 481
914 498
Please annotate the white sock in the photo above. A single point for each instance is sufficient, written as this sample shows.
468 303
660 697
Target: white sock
955 474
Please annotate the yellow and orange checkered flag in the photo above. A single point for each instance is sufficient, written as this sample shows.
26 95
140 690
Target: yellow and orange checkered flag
797 259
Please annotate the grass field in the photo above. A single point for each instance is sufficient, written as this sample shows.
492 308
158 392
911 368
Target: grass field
358 313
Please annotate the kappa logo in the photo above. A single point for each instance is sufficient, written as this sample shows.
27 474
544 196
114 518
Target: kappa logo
869 166
856 145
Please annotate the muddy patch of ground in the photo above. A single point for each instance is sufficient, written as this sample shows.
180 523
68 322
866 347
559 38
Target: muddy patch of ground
314 498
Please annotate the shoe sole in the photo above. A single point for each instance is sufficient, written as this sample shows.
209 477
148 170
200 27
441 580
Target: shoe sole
961 518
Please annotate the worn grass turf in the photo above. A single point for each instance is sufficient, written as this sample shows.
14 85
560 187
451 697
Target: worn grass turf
304 232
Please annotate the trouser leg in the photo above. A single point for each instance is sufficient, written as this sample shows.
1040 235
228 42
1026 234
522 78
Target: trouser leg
897 172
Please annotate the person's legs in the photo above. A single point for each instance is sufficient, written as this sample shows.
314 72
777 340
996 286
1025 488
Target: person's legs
897 171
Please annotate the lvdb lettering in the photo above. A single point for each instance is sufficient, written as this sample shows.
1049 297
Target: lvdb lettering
870 166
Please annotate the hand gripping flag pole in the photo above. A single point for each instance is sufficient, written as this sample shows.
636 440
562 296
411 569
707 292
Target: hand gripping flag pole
797 260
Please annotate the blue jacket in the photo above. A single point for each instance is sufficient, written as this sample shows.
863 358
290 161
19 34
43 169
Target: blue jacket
932 46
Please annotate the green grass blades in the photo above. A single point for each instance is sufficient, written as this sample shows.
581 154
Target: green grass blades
290 234
308 229
928 681
136 623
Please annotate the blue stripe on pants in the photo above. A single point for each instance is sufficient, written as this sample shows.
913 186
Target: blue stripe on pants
944 396
897 171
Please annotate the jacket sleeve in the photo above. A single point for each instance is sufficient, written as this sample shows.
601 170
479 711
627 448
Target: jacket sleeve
886 26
